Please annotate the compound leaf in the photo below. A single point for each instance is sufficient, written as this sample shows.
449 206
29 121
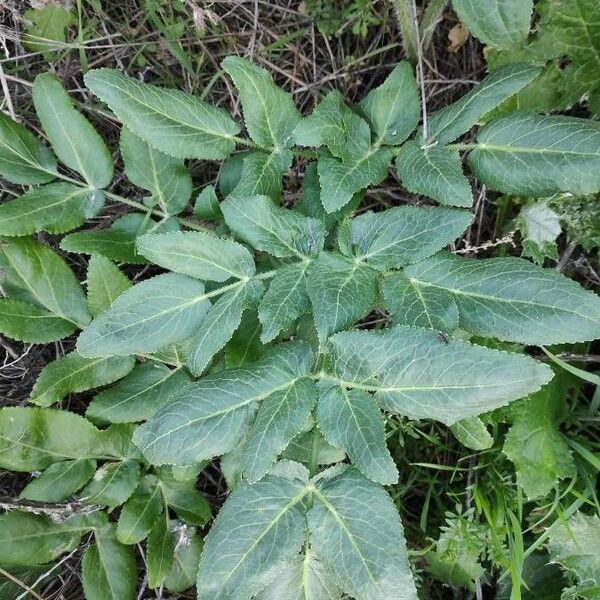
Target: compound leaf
252 541
357 534
197 254
435 172
269 113
55 208
208 418
512 299
76 143
169 120
164 176
416 373
272 229
74 373
23 158
151 315
532 155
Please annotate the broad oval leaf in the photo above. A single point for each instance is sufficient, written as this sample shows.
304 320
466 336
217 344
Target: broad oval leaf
512 299
398 236
105 283
55 208
252 541
31 439
445 125
269 113
356 532
272 229
532 155
140 512
417 373
151 315
75 141
23 158
197 254
169 120
34 273
207 418
501 24
112 484
472 433
73 373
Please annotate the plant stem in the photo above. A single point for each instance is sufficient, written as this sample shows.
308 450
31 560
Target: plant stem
404 16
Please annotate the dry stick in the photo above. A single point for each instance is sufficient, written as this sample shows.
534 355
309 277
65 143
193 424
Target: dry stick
6 92
20 583
415 23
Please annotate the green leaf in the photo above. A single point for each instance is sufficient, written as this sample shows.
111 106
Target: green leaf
118 241
29 323
393 109
262 173
341 292
576 546
303 447
419 306
445 125
402 235
198 254
112 484
76 143
29 539
435 172
357 534
207 204
285 300
46 29
186 500
472 433
416 373
31 439
351 421
73 373
245 346
341 180
532 155
221 321
60 480
208 418
278 231
540 227
185 563
34 273
497 23
23 158
164 176
252 541
55 208
534 444
512 299
138 396
151 315
140 513
169 120
269 112
105 283
108 568
159 552
304 579
281 416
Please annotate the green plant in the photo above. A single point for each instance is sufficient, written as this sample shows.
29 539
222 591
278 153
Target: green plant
264 316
